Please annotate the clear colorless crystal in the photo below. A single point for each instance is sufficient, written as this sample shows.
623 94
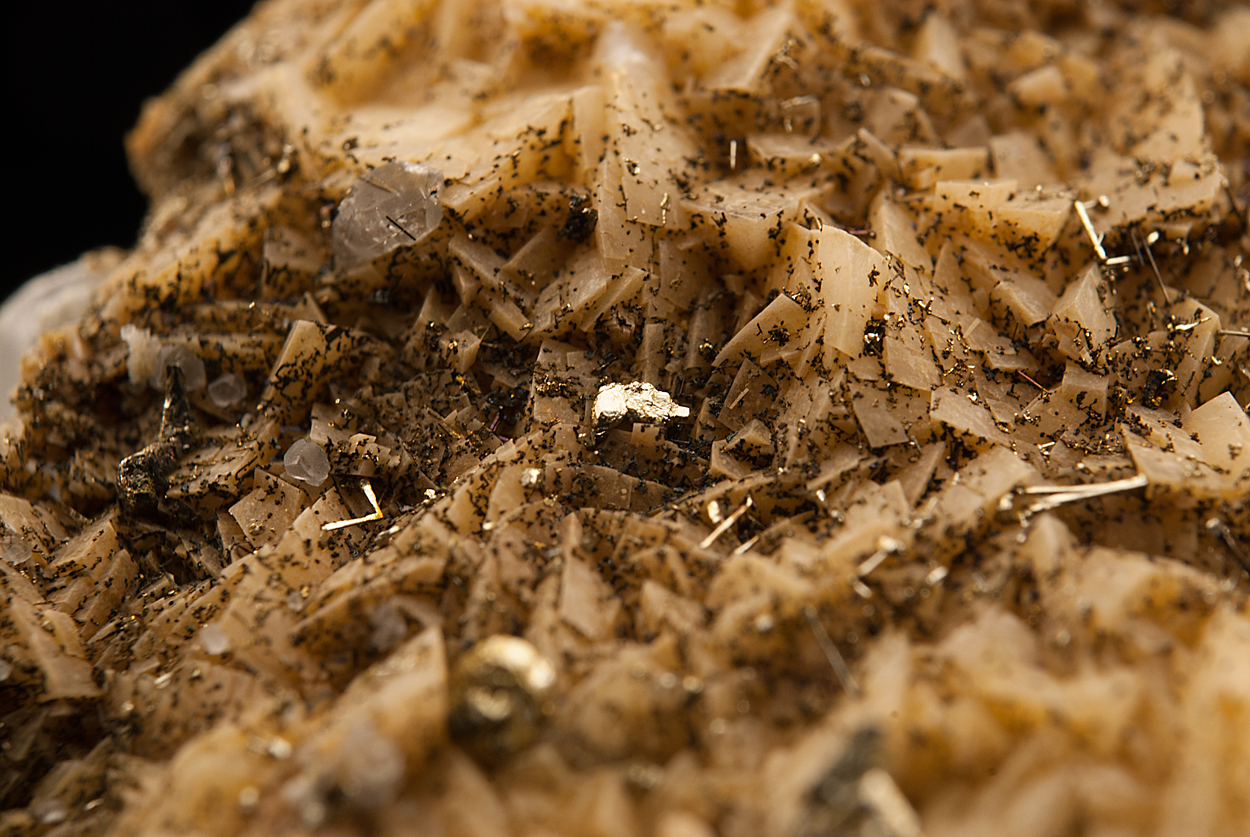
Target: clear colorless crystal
227 390
306 460
389 207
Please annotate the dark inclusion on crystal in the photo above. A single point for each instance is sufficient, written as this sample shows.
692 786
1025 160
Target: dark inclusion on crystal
581 220
392 206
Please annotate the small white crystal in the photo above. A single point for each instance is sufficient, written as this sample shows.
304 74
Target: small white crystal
306 460
392 206
227 390
193 375
141 359
279 748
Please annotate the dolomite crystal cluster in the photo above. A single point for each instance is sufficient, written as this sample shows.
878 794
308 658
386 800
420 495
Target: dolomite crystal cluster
653 417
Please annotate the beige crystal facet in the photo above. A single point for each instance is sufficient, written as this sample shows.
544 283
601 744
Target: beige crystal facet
629 418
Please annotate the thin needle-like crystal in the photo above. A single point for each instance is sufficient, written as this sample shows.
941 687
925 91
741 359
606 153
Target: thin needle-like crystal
1089 229
1058 495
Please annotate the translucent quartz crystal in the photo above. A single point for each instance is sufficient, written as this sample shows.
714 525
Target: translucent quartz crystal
306 460
391 206
193 375
227 390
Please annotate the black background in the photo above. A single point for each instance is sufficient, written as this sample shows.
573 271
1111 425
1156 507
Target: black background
76 75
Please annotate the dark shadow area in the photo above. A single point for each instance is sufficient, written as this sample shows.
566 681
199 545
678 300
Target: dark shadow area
76 75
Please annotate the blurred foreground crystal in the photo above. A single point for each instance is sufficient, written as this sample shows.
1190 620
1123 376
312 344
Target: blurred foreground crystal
389 207
498 693
50 300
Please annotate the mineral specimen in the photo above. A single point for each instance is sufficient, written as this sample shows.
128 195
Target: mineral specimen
652 417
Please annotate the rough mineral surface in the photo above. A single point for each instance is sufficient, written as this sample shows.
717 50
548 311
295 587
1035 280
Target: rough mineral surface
953 539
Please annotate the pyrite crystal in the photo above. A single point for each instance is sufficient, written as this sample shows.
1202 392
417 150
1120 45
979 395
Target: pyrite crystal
651 417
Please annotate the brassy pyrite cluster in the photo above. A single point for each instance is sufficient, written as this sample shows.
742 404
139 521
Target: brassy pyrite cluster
653 417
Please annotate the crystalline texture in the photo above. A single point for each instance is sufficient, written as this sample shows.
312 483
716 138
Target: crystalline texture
389 207
305 460
914 392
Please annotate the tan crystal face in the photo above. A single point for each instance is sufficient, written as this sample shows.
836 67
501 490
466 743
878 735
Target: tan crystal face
635 417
